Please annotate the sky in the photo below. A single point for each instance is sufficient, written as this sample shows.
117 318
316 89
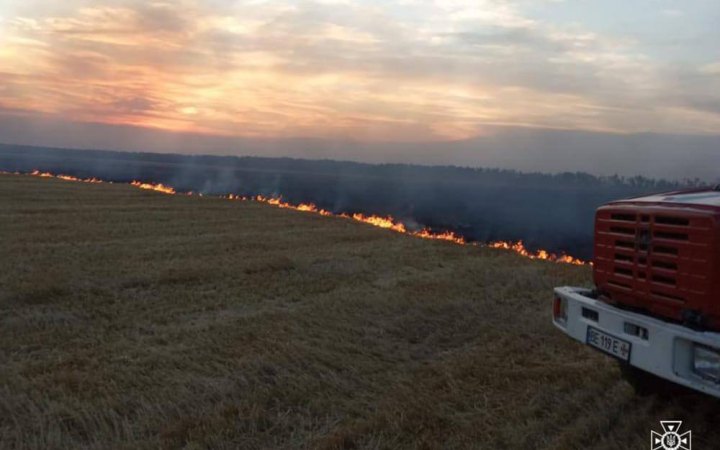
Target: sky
369 72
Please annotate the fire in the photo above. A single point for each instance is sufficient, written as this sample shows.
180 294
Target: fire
37 173
519 247
154 187
381 222
306 207
444 236
387 222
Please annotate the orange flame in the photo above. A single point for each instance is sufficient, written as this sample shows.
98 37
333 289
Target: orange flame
444 236
37 173
382 222
153 187
306 207
519 247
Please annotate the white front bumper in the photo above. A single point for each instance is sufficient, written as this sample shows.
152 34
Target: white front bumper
666 350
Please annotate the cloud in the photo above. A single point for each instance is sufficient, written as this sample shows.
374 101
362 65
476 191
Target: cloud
406 70
671 13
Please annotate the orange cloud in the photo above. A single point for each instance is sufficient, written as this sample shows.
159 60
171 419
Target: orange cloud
281 69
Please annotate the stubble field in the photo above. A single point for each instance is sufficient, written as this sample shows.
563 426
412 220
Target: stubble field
132 319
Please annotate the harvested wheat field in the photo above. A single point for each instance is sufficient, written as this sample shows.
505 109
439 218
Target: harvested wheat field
132 319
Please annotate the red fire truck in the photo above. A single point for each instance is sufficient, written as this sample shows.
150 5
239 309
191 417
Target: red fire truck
656 302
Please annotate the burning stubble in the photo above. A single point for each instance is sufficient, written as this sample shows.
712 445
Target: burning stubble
387 222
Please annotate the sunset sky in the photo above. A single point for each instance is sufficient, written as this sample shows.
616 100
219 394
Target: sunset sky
408 70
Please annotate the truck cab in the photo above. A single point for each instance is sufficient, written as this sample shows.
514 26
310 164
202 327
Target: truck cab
656 302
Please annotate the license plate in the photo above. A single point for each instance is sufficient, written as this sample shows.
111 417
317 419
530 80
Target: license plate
608 344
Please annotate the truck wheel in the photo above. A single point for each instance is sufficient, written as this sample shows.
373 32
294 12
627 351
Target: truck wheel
645 383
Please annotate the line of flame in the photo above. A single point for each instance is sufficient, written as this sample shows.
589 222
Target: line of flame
154 187
382 222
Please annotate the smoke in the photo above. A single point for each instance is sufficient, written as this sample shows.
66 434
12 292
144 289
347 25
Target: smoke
553 212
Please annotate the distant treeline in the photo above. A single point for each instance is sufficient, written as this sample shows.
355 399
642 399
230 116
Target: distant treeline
551 211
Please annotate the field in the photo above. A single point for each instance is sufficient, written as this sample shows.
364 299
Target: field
131 319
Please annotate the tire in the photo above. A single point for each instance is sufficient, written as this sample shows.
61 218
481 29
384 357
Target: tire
645 383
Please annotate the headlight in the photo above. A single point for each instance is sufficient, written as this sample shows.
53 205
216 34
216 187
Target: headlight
560 309
706 362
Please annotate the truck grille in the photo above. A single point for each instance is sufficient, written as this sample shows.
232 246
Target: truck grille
656 258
